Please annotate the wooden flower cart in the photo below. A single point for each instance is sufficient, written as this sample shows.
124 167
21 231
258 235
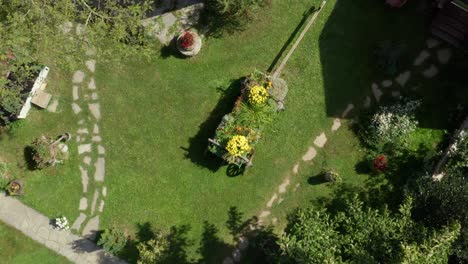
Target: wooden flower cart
230 125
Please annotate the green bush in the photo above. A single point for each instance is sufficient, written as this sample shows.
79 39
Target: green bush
390 125
152 251
112 240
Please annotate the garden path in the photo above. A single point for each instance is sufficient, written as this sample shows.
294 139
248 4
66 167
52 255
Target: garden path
420 66
90 148
37 226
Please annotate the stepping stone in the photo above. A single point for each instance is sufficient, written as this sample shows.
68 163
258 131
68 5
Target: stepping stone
367 102
280 200
75 93
320 140
84 148
444 55
84 179
348 109
283 186
264 214
96 129
91 52
104 191
228 260
387 83
94 96
92 84
66 27
93 204
421 57
430 72
101 206
403 78
78 222
96 138
81 122
243 243
297 186
100 170
78 139
80 29
272 200
82 131
76 108
78 77
336 125
396 94
91 65
91 228
53 106
83 203
310 154
236 255
376 91
94 108
431 43
101 150
87 160
296 168
274 221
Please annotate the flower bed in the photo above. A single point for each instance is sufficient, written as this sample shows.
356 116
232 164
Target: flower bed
235 137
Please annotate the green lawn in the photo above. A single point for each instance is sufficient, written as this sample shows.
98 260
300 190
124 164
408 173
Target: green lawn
16 248
158 115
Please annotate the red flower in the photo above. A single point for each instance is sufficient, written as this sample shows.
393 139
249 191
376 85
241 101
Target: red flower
186 41
380 163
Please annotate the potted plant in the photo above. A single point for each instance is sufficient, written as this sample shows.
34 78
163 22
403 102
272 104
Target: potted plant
189 43
380 163
15 187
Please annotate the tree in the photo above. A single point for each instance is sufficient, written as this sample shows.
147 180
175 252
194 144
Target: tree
64 29
362 235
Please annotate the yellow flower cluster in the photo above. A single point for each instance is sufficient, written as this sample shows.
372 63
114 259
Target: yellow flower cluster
238 146
258 95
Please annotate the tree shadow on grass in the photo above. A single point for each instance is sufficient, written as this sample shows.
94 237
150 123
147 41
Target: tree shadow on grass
317 179
28 158
197 150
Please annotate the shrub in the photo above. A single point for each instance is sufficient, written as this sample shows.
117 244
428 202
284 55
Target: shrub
152 251
45 154
391 124
112 240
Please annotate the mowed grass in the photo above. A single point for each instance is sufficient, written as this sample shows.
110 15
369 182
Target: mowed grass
157 116
16 248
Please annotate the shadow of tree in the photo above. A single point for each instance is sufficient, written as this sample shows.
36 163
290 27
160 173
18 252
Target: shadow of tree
210 242
84 246
197 150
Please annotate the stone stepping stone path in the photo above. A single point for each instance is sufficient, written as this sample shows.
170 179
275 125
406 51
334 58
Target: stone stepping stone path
443 56
37 226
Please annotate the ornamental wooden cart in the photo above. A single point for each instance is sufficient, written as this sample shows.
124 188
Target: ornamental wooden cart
277 91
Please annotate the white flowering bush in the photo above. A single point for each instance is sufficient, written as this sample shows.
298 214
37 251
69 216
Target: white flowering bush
390 124
62 223
458 154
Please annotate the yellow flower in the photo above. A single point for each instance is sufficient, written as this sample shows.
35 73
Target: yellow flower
238 146
258 95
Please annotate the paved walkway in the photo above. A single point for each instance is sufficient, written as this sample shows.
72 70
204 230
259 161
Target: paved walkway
37 226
